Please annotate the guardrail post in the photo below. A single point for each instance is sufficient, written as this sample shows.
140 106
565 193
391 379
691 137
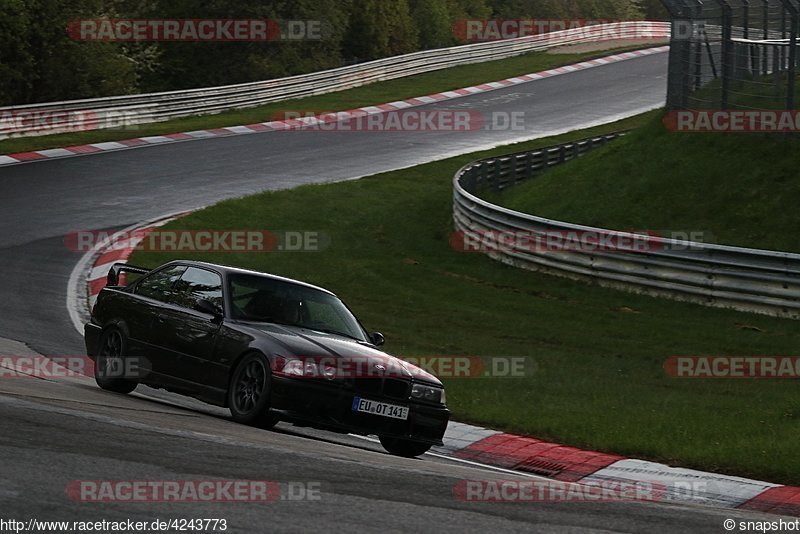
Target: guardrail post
512 175
529 165
494 175
471 184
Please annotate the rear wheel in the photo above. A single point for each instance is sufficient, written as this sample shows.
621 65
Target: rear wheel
404 447
110 367
249 392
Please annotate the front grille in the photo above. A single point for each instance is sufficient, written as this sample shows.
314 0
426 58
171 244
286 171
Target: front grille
389 387
368 385
397 389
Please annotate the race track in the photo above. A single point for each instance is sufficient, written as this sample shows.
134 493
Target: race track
55 432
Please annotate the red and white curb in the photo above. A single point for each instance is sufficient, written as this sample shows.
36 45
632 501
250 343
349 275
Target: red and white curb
272 126
569 464
508 452
88 277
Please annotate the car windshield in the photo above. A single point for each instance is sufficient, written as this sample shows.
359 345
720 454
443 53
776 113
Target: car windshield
263 299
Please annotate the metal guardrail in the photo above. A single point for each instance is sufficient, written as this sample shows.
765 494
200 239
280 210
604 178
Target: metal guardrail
129 110
745 279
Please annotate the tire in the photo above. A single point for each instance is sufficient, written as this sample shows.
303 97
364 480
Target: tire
404 447
110 363
249 392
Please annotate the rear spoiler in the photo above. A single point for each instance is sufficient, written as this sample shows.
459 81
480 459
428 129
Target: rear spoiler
113 274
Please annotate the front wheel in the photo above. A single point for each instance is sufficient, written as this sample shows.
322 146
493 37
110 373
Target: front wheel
249 392
404 447
110 367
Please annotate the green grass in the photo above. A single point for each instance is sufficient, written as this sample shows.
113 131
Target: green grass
377 93
739 188
598 353
748 92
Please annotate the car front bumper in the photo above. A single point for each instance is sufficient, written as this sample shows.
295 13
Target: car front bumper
329 406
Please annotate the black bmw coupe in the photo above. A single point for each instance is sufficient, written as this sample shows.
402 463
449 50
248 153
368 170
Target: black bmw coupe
266 347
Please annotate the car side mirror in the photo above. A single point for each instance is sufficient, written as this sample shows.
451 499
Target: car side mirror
377 339
206 306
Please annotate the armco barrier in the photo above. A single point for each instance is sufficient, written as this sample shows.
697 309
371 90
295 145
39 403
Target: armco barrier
752 280
129 110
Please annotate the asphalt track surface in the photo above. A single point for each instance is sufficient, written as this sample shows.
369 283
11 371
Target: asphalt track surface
57 431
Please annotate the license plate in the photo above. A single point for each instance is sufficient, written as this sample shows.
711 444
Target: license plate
380 408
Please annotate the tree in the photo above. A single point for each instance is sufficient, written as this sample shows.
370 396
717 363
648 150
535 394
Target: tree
557 9
654 10
17 64
433 21
380 28
468 9
199 64
40 62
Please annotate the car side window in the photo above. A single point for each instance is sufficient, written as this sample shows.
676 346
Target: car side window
197 284
159 285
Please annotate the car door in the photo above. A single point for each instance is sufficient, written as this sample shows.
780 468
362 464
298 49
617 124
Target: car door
151 296
189 336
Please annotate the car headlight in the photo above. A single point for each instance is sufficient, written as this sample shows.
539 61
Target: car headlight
306 368
300 368
330 372
293 368
428 393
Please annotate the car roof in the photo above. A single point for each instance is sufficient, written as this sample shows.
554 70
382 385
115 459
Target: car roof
226 270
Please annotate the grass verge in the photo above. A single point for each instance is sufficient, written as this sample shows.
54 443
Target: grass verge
377 93
598 353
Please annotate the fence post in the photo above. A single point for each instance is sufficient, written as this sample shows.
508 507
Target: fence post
680 53
766 36
750 61
529 165
792 70
727 23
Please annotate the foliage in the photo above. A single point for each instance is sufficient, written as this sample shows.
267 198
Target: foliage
39 61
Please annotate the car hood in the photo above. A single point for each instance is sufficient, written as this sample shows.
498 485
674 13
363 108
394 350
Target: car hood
306 343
